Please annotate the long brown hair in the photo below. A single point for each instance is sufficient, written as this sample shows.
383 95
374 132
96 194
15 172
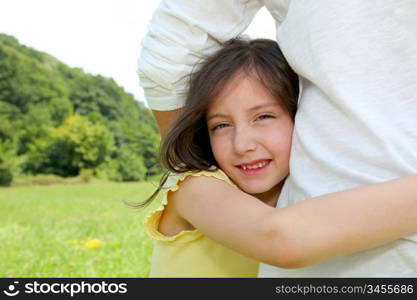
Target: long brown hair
186 146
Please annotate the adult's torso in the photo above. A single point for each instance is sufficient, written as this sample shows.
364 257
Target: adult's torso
357 117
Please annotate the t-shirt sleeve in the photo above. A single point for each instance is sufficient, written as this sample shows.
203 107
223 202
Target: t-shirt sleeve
180 33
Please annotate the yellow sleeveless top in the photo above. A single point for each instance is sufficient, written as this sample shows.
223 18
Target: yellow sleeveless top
190 253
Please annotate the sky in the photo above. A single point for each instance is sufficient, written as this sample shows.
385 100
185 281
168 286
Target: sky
100 36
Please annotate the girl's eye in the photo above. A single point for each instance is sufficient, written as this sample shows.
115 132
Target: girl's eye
263 117
219 126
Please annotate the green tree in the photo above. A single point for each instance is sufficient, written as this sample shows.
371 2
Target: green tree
39 95
77 144
92 143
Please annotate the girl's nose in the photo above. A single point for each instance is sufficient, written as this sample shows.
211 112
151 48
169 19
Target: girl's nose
244 141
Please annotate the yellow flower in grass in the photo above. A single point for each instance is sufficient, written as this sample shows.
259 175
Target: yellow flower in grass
92 244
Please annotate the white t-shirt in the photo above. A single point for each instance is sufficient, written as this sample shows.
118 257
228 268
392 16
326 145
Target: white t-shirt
357 118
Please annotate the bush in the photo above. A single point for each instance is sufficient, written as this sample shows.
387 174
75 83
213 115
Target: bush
126 166
108 171
9 162
87 174
6 176
131 165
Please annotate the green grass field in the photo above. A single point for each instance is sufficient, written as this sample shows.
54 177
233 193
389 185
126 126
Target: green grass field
79 230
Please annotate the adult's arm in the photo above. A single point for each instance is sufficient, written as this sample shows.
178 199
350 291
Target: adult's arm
164 119
180 34
305 233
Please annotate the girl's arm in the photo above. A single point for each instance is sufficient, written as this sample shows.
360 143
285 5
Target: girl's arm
305 233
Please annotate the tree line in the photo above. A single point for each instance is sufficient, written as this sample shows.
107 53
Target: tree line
55 119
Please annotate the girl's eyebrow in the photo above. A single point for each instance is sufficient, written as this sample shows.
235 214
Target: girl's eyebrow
216 116
265 105
254 108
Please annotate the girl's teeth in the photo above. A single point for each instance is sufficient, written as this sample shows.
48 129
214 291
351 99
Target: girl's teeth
260 165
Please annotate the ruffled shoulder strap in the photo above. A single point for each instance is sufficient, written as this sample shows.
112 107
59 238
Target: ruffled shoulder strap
151 222
216 173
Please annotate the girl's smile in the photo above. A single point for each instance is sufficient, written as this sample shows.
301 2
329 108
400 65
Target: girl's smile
254 167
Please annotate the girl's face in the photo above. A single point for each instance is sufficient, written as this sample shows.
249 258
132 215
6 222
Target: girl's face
250 135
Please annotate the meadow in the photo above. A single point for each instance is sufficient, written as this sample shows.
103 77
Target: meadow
74 230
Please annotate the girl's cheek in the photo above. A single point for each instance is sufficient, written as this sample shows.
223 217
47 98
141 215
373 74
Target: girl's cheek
218 146
278 136
225 149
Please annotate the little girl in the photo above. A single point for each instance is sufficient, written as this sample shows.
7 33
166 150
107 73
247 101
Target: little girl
230 151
